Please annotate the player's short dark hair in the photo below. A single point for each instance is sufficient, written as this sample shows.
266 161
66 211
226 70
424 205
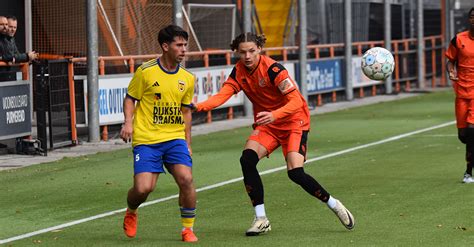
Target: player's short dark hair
470 12
12 17
259 40
167 34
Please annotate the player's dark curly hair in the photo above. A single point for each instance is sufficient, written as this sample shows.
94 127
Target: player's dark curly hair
167 34
259 40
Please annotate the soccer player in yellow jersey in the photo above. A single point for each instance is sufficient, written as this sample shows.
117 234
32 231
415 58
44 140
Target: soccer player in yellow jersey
157 112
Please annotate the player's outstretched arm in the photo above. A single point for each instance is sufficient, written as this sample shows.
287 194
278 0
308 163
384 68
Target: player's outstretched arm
216 100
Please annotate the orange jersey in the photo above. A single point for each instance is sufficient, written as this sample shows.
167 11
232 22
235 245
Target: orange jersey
461 52
267 87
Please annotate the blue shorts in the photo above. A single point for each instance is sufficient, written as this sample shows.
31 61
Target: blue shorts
152 158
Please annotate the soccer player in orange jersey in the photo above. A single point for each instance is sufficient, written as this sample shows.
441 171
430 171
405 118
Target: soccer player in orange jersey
281 119
460 67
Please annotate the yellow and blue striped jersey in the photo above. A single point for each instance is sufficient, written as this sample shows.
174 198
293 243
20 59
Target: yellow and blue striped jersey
160 94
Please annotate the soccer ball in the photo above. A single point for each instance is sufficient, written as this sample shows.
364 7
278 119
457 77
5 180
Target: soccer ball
377 63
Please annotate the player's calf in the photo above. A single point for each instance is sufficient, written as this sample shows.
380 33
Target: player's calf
308 183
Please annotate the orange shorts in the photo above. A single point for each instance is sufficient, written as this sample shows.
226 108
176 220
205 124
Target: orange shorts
290 140
464 112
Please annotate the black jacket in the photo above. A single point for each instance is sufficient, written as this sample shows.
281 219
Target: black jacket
9 53
9 50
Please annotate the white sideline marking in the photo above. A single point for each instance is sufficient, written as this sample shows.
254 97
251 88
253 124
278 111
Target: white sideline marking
449 135
76 222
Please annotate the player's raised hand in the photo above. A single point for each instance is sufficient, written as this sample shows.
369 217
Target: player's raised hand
126 132
264 118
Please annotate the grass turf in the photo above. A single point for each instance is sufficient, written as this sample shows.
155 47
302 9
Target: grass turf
406 192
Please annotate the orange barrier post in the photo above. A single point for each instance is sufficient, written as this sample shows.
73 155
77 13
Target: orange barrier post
227 58
105 132
131 65
209 114
320 100
101 66
209 117
359 53
72 101
316 52
25 72
433 63
206 60
230 113
334 98
407 83
443 67
397 68
374 90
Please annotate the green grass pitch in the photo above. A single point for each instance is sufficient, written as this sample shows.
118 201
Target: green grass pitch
406 192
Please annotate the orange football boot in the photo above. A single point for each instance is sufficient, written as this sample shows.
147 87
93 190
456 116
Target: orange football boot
188 235
130 224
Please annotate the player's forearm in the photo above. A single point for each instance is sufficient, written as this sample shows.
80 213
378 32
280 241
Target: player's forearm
128 109
294 103
21 58
216 100
450 66
187 115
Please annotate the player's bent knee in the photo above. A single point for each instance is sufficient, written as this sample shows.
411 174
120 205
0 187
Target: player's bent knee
186 181
249 159
462 135
297 175
469 136
143 191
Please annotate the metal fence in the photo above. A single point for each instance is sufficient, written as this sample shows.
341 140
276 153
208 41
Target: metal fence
55 121
131 25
